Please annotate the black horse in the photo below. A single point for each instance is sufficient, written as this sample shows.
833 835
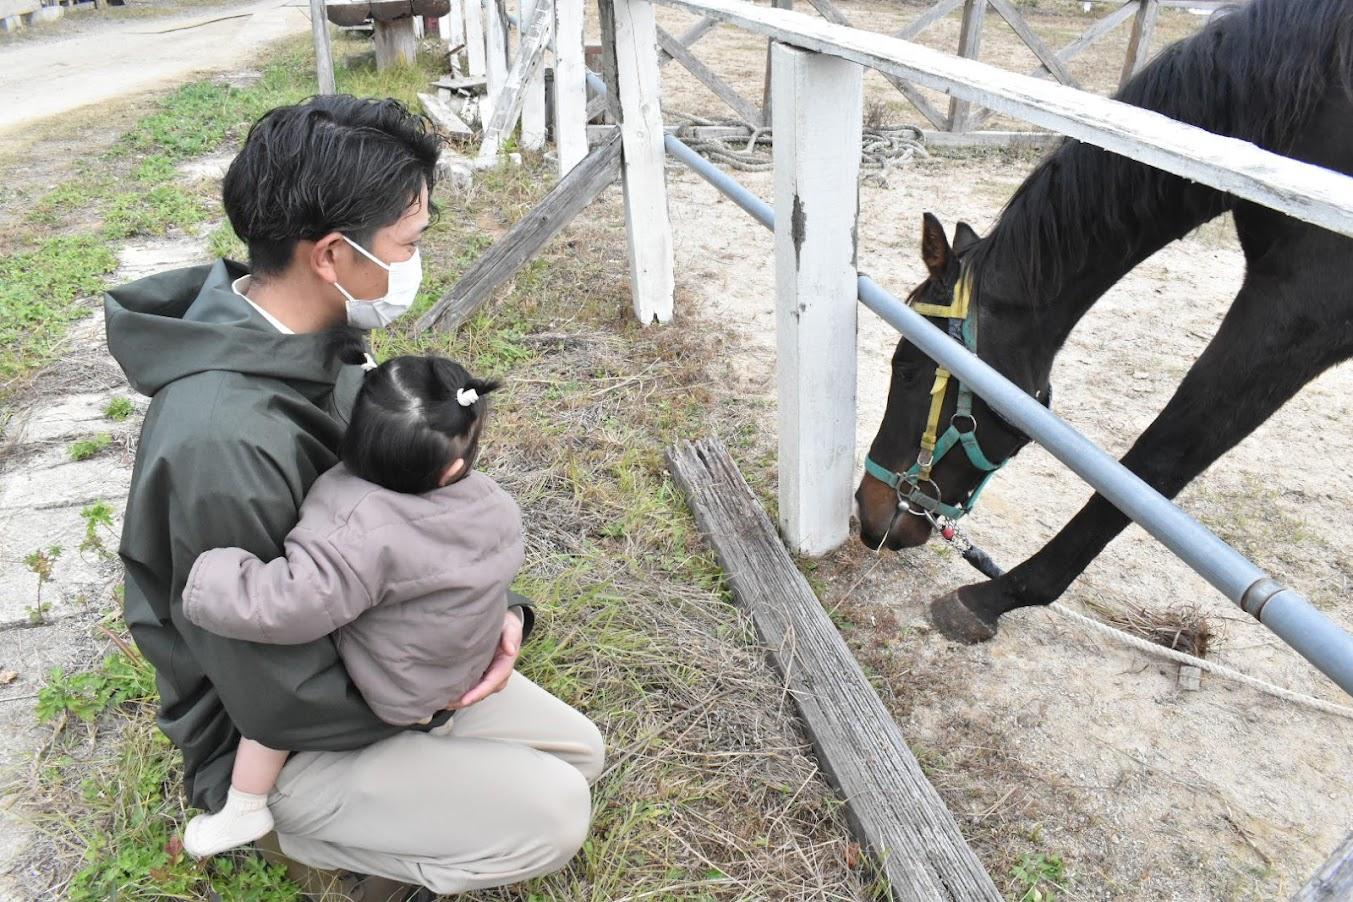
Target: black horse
1278 73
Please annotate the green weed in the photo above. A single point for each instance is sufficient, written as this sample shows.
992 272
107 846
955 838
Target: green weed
151 212
41 563
118 409
224 243
84 695
86 448
96 515
1038 877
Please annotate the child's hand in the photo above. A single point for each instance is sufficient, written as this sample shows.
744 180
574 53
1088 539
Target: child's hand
500 668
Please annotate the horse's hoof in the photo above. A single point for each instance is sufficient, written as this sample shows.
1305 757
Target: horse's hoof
959 622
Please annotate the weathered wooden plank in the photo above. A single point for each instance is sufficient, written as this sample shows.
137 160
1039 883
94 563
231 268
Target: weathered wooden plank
324 60
444 117
507 106
475 83
1334 881
817 119
892 808
570 85
533 105
690 36
633 55
969 47
1139 45
524 240
1308 192
476 61
396 43
495 57
1031 39
747 111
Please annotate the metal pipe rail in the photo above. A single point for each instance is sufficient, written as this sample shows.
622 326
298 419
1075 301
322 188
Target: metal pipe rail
1283 610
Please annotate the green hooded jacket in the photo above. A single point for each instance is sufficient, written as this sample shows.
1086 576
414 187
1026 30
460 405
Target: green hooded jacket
243 419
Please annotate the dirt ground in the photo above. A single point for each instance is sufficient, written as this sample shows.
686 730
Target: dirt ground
1051 740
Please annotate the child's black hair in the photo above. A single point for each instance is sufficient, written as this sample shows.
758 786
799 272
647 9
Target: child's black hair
408 425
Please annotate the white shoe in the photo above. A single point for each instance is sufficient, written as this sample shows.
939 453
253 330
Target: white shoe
244 819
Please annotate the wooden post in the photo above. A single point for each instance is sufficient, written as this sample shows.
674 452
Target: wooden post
570 85
817 116
1334 880
495 56
533 104
474 39
630 45
766 84
969 47
396 43
1139 45
324 61
509 103
451 28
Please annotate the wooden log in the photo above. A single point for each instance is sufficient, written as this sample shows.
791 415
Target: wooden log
495 56
570 85
969 47
508 104
476 63
444 117
891 807
817 119
1309 193
1334 881
525 239
324 60
533 104
396 44
1045 54
632 57
1139 45
747 111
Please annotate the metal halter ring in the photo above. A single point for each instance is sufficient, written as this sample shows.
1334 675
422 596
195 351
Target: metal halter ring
953 421
905 502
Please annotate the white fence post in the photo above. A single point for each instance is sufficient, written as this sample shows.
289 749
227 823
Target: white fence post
570 85
817 116
647 225
474 38
451 29
495 53
533 107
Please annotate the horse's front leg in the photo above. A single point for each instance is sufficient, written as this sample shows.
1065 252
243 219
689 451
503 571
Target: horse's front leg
1262 354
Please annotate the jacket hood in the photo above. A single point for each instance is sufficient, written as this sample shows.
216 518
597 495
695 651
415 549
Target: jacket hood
175 324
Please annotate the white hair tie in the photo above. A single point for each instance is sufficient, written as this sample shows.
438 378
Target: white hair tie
466 396
369 364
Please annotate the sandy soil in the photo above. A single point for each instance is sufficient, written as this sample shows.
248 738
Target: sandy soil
40 79
1050 739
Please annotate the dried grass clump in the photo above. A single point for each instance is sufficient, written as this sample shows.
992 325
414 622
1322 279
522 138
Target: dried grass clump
1183 629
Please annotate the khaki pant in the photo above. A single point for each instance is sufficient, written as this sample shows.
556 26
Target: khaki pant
501 797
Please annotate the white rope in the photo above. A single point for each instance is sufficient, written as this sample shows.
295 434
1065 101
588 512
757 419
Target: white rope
1220 670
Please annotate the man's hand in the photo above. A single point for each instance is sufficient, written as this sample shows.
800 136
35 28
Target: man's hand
500 668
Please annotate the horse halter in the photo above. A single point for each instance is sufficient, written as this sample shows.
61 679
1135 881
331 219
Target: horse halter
962 319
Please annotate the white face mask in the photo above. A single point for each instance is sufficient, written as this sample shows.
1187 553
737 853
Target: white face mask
404 279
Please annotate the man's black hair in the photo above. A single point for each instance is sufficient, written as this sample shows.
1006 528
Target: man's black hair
408 425
329 164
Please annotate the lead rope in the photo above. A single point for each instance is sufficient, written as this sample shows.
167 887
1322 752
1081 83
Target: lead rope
983 563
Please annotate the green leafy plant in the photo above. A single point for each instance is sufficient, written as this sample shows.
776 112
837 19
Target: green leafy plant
41 563
120 678
89 447
1039 876
96 515
118 409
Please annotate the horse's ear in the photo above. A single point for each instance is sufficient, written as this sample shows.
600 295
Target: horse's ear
934 246
964 238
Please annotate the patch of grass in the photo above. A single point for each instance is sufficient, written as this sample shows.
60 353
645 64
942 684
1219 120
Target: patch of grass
151 212
86 448
38 291
118 409
223 242
1039 877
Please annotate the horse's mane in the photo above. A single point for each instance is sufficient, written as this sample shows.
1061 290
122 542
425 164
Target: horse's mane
1254 74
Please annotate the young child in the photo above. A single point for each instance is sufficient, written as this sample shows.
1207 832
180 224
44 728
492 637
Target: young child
402 550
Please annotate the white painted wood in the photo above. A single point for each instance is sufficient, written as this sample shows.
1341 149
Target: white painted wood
570 85
533 104
324 61
418 26
451 28
509 104
474 38
1310 193
817 116
495 56
647 223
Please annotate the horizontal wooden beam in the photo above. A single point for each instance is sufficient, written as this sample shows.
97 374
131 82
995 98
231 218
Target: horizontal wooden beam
1307 192
896 813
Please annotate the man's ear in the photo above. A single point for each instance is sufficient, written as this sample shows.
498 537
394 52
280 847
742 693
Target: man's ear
964 238
451 472
934 246
324 255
